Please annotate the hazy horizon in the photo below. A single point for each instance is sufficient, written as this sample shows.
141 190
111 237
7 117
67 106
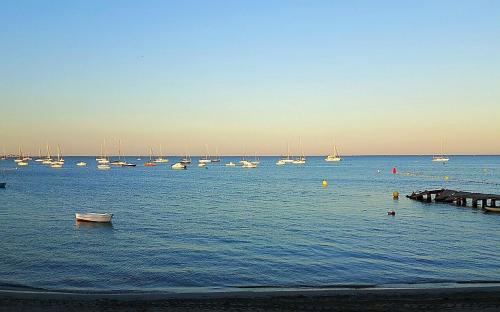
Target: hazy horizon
375 78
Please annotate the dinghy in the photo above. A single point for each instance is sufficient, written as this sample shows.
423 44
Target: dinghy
94 217
492 209
178 166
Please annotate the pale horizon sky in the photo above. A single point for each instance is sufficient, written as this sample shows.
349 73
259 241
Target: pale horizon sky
373 77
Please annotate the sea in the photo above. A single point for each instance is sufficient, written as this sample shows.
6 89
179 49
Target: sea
231 228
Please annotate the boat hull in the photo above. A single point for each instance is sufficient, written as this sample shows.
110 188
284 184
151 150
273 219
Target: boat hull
492 209
94 217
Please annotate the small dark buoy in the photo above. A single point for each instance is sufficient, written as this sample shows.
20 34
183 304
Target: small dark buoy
391 213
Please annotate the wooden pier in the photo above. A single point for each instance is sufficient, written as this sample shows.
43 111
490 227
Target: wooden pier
459 198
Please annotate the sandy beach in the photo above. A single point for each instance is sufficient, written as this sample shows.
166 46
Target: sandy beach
469 298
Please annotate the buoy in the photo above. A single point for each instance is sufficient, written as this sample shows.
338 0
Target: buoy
325 183
378 171
446 178
394 170
391 213
395 195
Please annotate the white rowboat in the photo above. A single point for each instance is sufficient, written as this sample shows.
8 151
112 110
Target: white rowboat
94 217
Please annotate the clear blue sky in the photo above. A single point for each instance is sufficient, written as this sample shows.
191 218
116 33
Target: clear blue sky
376 77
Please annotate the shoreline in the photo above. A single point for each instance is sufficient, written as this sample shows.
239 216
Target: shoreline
453 297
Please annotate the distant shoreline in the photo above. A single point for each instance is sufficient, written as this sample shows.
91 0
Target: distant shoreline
258 156
435 297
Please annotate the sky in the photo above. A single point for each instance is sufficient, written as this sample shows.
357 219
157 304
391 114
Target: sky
245 77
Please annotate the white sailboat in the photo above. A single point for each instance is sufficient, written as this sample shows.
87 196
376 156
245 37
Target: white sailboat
256 160
440 158
40 158
285 160
59 162
302 159
217 157
205 159
335 156
102 159
160 158
20 157
103 167
48 160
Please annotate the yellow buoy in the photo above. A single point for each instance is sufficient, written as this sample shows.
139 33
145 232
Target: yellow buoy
446 178
325 183
395 195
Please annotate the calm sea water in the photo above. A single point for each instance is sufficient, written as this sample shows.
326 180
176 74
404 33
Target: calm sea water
226 227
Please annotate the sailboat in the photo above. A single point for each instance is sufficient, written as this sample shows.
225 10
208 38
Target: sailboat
21 161
19 157
256 161
40 158
302 159
160 159
48 159
118 162
205 159
217 157
59 162
440 158
335 156
285 160
187 159
150 163
4 156
103 159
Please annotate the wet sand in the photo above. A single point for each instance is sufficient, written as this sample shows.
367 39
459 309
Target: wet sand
469 298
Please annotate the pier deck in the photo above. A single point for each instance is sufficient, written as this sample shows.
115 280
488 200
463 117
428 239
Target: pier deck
457 197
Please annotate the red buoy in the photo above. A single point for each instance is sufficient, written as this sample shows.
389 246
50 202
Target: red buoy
394 170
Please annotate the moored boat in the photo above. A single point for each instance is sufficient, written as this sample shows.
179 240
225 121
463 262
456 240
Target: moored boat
103 167
335 156
127 164
178 166
230 164
94 217
81 164
492 209
160 159
248 164
150 163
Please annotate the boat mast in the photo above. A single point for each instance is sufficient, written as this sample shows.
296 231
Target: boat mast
119 150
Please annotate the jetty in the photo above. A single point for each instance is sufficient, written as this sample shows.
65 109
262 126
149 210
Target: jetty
459 198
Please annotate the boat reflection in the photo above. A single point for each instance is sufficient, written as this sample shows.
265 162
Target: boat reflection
93 225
